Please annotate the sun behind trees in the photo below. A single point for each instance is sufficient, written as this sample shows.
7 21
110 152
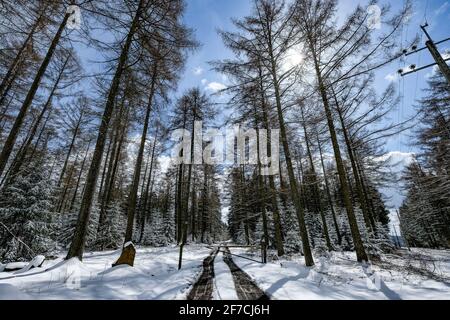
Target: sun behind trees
85 165
263 44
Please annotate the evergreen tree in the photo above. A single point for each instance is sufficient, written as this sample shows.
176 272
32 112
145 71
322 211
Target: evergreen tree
26 220
425 213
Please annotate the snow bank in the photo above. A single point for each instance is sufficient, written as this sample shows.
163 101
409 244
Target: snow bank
13 266
35 263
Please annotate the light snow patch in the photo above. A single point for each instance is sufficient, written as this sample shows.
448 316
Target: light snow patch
224 288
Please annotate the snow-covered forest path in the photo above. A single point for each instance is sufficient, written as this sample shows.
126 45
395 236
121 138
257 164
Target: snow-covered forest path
222 279
210 273
203 288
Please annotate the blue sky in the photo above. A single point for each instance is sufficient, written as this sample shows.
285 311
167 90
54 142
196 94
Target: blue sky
206 16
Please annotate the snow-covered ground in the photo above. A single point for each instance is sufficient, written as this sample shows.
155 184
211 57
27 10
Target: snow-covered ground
224 288
421 274
155 276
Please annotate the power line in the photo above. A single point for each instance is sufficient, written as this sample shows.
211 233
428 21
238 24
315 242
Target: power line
431 46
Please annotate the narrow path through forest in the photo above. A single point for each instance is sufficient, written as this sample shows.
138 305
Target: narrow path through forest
203 288
246 288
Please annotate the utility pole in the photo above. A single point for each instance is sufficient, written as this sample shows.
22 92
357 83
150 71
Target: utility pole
400 229
436 55
431 46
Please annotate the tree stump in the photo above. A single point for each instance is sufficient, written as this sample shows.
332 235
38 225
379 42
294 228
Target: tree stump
127 255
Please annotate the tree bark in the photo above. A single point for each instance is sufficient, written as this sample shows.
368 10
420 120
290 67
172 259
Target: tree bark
61 206
77 245
359 246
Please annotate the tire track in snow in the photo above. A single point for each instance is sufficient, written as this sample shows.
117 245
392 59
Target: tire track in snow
203 288
246 288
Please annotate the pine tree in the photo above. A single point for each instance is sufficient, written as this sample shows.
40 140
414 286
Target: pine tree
27 224
292 241
111 232
425 213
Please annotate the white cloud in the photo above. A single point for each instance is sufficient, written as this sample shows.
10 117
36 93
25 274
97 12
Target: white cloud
198 71
215 86
434 70
392 77
442 9
204 82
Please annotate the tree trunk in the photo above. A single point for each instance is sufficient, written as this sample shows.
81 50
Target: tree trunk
359 247
137 169
20 158
41 133
178 204
105 165
244 206
11 140
7 82
77 245
69 152
316 189
61 206
309 260
179 189
273 195
132 199
188 188
327 187
261 194
147 188
119 137
368 220
193 212
72 203
204 220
